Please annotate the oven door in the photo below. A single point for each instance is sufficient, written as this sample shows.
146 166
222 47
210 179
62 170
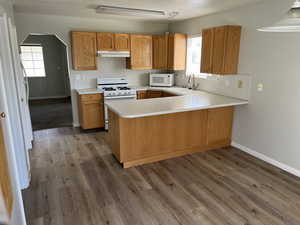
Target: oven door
114 98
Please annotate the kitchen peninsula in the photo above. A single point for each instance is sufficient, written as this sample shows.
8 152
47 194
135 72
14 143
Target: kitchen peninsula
149 130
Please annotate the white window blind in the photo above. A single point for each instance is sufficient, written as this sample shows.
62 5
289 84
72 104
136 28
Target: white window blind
33 60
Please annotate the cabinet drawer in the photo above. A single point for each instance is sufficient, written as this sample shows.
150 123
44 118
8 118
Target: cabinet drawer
91 97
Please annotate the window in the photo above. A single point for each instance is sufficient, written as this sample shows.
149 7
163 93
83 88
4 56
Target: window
33 60
194 55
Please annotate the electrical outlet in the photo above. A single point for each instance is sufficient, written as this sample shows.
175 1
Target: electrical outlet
240 84
260 87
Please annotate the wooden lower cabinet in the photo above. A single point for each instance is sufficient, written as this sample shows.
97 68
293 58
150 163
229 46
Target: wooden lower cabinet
136 141
91 111
141 94
153 94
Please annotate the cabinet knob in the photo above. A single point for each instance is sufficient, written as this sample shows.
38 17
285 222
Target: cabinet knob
2 115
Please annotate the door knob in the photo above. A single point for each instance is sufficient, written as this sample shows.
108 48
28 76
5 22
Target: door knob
2 115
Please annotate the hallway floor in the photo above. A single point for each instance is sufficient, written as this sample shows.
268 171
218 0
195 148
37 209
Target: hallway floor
51 113
77 181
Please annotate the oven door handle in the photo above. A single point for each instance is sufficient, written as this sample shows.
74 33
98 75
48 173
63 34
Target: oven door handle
120 97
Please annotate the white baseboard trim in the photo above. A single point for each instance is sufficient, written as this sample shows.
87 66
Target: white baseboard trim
267 159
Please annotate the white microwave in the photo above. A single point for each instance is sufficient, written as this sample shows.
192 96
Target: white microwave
162 80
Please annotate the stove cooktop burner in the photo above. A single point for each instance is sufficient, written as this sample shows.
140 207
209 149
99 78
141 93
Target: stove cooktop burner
109 89
124 88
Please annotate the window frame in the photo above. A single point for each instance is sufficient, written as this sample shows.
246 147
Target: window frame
187 73
21 52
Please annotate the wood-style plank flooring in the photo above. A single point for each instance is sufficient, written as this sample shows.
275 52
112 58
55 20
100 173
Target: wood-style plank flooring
76 181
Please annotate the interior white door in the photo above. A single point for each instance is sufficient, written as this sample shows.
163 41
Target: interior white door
9 80
22 87
18 214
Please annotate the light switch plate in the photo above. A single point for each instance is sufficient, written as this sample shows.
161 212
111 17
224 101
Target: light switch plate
240 84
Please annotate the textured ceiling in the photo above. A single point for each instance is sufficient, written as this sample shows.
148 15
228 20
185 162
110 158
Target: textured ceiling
86 8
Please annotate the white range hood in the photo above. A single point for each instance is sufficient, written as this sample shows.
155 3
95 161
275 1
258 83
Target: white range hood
291 22
119 54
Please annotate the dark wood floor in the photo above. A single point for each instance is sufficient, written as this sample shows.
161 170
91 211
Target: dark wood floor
51 113
76 181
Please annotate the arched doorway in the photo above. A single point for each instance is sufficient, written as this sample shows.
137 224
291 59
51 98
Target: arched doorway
45 62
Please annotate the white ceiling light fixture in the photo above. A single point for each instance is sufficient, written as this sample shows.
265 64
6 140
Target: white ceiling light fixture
128 11
291 23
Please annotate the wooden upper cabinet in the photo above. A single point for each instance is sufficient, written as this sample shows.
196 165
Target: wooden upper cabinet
141 52
105 41
177 51
84 50
232 51
220 50
122 42
207 50
160 51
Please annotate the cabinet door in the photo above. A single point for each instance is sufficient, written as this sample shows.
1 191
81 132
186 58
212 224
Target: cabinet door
232 50
93 115
179 52
91 111
122 42
84 50
141 52
219 49
154 94
105 41
160 51
219 126
207 50
167 94
141 94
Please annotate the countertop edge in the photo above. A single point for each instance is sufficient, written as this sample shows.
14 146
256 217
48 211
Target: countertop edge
176 111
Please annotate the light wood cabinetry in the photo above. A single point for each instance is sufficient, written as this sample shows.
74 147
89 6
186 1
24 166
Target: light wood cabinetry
177 51
153 94
142 140
105 41
207 50
219 125
169 51
141 94
91 111
160 51
84 50
122 42
141 52
113 41
220 50
5 181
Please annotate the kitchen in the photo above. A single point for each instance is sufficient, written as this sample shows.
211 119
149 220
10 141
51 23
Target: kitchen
109 101
179 117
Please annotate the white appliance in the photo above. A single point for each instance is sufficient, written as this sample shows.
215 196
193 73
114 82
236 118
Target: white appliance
118 54
114 88
161 80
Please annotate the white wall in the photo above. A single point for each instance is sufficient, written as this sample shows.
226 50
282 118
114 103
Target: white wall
61 26
55 82
270 123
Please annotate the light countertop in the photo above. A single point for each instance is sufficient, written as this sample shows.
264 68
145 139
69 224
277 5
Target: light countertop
188 100
89 91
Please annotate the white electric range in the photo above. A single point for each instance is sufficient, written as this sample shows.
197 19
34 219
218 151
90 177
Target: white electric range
114 88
